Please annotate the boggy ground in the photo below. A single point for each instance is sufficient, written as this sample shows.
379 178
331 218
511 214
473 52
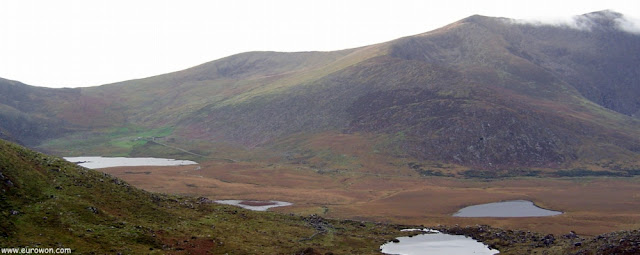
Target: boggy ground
592 206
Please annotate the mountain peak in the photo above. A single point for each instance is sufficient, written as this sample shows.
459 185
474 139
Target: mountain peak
602 20
604 14
483 92
483 20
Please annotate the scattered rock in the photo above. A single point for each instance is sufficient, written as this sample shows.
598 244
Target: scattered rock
204 200
548 240
571 235
317 222
93 209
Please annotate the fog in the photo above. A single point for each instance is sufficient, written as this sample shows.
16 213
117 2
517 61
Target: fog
588 22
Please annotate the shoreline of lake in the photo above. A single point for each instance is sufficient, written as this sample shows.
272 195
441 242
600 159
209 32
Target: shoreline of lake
254 205
505 209
97 162
436 242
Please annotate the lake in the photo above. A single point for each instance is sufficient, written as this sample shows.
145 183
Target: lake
253 204
436 243
104 162
515 208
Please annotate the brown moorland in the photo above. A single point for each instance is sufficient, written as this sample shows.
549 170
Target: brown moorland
591 206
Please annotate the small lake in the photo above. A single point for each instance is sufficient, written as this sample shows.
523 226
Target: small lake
104 162
436 243
253 204
515 208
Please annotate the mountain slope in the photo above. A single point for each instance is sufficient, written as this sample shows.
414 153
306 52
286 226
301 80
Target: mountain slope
482 92
23 115
47 202
459 94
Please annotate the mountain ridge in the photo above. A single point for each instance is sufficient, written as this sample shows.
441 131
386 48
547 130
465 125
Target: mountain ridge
481 92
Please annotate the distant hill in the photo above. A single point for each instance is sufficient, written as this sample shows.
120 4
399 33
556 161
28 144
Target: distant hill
25 114
488 93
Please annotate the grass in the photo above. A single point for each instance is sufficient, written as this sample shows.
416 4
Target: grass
117 141
48 202
592 205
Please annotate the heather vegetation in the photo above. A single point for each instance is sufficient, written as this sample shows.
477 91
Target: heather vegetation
483 93
404 132
48 202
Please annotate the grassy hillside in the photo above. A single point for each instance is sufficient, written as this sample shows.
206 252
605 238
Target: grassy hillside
48 202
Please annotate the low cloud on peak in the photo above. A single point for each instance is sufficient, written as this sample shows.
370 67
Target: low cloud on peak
588 22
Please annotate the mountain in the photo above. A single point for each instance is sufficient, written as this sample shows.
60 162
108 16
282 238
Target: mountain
25 114
483 92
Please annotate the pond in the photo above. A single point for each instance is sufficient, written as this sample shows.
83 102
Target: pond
104 162
254 205
436 243
515 208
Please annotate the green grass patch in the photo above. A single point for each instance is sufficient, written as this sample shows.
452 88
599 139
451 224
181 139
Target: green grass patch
118 141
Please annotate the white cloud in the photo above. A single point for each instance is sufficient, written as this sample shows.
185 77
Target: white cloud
587 22
629 24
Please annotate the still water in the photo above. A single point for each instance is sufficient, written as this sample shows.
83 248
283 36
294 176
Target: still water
103 162
436 243
254 205
515 208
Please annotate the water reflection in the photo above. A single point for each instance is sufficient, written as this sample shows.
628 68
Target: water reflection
515 208
436 243
254 205
104 162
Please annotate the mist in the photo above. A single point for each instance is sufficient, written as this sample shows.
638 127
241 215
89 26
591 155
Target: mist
588 22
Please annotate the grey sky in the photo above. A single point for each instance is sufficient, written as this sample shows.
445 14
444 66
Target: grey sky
72 43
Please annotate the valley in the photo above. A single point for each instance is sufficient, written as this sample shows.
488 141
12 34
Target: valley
591 205
362 142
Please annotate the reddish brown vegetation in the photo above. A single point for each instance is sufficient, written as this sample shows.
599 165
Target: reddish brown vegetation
592 205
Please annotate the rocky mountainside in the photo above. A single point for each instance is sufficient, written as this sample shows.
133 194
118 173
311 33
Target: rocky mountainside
483 92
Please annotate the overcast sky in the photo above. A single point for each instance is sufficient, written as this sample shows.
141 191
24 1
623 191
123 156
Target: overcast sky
78 43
